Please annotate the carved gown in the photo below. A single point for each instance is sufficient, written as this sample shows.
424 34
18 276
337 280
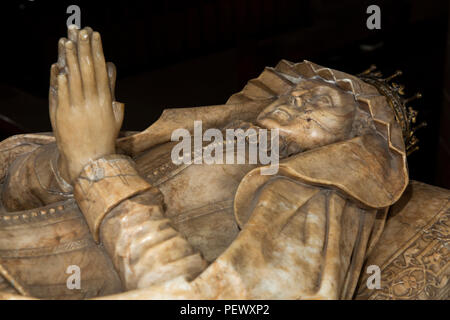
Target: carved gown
139 226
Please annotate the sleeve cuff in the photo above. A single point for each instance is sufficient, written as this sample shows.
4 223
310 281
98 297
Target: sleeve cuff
103 184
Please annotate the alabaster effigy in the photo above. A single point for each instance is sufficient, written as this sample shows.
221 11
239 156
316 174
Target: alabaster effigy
140 225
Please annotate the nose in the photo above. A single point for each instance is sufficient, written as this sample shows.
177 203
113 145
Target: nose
298 101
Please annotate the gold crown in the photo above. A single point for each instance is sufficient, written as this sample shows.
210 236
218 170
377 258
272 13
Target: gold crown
405 116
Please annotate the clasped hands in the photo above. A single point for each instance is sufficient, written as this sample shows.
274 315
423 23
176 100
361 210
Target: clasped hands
85 117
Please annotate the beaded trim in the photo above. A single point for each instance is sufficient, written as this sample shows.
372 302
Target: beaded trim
38 214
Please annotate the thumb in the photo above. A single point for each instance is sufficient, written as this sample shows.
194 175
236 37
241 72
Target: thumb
118 109
112 75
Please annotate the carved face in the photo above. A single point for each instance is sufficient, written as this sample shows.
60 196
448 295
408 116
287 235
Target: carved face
315 113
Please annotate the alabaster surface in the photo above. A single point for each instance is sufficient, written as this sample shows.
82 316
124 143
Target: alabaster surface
140 226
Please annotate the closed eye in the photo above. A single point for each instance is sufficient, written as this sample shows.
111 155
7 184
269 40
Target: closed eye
295 101
325 100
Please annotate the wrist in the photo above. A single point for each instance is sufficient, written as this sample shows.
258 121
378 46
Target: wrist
71 169
60 172
63 170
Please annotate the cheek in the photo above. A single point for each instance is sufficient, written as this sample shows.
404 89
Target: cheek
314 136
306 134
335 124
311 134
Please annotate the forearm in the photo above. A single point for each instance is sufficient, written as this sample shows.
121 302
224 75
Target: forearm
126 215
33 180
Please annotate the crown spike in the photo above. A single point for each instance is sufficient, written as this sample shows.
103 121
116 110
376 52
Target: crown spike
418 95
405 116
396 74
399 88
411 150
369 70
421 125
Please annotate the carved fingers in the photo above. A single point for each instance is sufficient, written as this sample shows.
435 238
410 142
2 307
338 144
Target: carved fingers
112 74
52 95
86 64
56 69
72 33
118 109
61 53
85 118
101 72
74 74
86 68
63 93
81 57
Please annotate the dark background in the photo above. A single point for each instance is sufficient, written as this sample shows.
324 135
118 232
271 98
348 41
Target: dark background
185 53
